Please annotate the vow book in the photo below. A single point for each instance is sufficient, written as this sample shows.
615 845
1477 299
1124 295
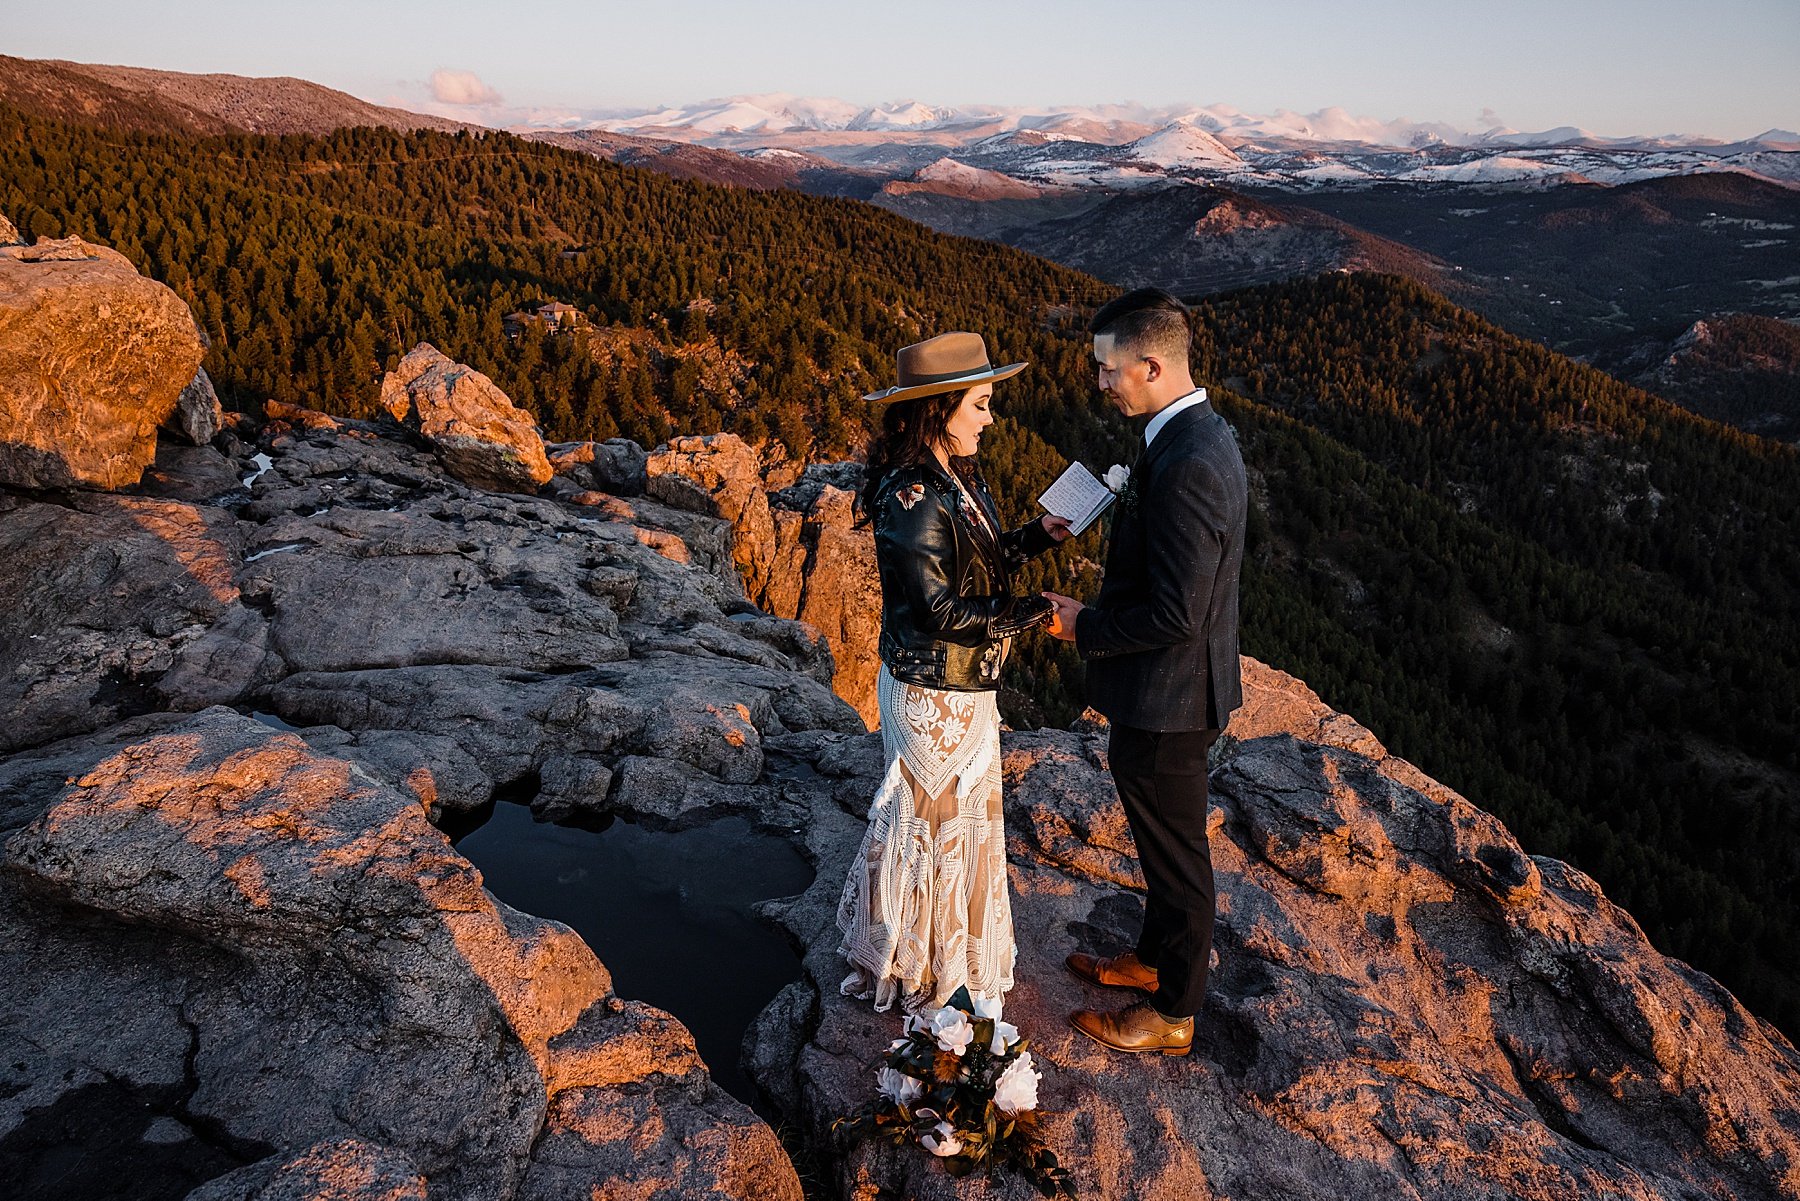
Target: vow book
1078 496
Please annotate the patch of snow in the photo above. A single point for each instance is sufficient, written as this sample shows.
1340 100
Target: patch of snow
276 550
263 463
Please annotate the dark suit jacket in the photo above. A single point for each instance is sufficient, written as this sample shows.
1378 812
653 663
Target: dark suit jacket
1161 639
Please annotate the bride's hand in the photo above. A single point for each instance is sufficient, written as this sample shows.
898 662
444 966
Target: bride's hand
1062 621
1056 527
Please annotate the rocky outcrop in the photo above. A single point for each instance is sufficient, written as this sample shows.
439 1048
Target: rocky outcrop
798 550
1405 1004
823 573
722 475
93 357
288 952
240 948
242 961
482 438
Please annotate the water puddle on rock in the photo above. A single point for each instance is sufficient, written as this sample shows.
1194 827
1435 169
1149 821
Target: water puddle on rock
668 913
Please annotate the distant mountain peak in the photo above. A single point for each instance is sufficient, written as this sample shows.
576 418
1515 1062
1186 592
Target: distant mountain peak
1183 145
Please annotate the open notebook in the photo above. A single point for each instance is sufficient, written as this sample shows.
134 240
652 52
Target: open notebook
1078 496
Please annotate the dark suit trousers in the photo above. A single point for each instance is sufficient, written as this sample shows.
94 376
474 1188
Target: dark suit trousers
1161 776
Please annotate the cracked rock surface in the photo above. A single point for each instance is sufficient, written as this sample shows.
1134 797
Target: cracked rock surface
242 959
1405 1004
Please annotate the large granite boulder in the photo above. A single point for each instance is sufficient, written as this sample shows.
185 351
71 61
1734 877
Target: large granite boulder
263 950
93 357
1405 1004
481 436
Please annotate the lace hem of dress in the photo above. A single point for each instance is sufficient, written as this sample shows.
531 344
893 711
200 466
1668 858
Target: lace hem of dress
914 897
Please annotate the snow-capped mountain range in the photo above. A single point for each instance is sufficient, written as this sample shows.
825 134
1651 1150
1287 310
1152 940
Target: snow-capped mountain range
1124 145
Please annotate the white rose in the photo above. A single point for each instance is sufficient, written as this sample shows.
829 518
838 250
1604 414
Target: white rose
898 1087
987 1007
1005 1035
950 1026
1115 478
941 1140
1016 1090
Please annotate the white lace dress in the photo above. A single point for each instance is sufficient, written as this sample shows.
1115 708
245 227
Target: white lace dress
925 909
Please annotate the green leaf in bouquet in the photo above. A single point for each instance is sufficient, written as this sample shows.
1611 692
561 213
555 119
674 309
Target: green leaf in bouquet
963 1001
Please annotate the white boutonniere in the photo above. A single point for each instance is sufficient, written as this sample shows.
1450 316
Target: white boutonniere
1123 484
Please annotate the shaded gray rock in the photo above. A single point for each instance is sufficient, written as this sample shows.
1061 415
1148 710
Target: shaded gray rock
437 770
120 605
198 415
454 581
707 714
616 465
342 1169
196 474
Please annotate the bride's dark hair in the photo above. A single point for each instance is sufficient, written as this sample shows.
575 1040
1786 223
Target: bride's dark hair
909 429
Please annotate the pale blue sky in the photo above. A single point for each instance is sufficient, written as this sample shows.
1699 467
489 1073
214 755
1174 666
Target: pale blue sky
1730 69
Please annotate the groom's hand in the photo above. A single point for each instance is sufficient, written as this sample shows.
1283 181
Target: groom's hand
1062 619
1057 527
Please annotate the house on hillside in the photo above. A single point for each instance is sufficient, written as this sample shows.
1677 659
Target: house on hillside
558 315
555 316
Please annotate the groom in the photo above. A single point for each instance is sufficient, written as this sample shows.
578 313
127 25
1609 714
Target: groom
1161 647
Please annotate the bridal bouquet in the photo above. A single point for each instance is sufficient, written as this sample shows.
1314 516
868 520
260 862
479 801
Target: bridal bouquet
961 1085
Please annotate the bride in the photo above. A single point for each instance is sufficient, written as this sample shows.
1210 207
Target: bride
925 908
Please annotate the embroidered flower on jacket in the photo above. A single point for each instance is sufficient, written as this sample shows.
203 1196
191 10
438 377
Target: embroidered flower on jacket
990 661
910 495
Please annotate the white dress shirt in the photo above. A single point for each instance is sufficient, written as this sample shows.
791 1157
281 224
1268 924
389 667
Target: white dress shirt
1197 396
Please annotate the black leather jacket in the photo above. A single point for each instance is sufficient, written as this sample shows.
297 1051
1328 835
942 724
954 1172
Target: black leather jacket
946 614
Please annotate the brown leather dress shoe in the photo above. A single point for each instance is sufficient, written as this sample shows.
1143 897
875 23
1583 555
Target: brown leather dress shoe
1136 1028
1118 971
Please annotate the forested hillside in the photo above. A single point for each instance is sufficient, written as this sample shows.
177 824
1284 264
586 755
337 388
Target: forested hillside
1570 600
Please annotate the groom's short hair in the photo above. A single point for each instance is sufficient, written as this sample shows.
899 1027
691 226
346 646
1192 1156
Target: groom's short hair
1146 321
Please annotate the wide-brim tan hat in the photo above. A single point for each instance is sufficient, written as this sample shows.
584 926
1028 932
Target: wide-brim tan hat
946 363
